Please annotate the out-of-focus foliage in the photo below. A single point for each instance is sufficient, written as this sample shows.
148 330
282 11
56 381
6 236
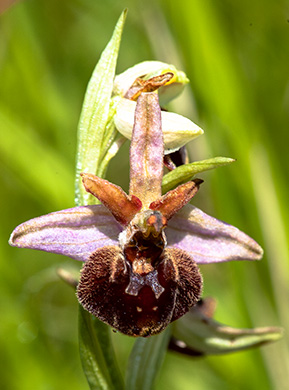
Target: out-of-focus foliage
236 56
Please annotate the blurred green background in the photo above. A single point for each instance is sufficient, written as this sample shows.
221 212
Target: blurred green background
236 55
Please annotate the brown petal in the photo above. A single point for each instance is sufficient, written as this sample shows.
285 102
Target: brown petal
170 203
113 197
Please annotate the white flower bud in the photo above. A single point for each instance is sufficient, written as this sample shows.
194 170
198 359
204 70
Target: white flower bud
177 130
147 69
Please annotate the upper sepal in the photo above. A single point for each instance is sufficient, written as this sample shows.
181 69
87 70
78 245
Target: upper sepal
146 150
209 240
75 232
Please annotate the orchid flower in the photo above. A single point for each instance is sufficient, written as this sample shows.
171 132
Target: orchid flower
140 251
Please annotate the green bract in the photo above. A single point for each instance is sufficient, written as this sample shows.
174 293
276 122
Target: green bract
97 136
186 172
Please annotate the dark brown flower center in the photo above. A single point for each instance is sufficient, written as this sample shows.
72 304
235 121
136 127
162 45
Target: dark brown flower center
139 304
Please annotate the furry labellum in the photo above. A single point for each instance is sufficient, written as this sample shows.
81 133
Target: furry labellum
139 290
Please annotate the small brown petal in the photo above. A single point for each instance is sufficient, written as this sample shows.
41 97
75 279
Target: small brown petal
122 206
170 203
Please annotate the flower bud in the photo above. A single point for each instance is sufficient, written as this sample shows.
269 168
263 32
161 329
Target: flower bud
177 130
146 70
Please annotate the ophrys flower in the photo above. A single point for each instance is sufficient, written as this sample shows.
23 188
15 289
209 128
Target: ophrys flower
140 250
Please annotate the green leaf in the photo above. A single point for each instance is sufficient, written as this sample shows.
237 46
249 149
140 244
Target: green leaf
209 337
97 356
184 173
145 361
103 334
96 113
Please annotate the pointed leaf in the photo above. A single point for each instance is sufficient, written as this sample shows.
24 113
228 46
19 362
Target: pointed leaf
97 356
95 113
103 334
186 172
